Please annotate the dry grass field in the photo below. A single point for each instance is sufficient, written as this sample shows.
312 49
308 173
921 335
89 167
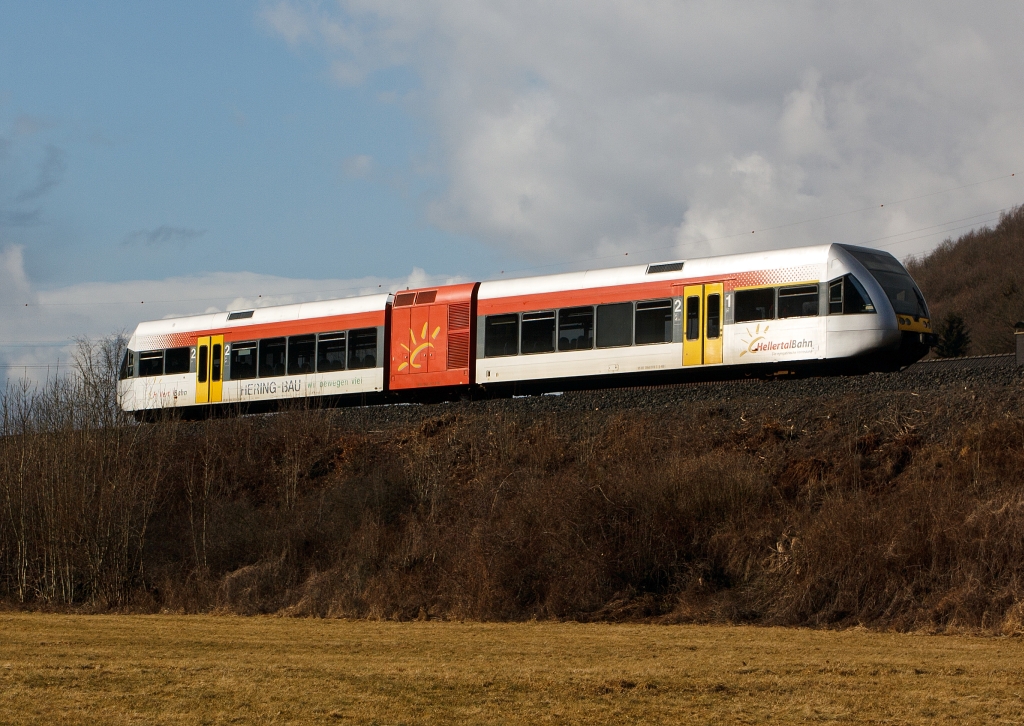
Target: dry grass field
224 669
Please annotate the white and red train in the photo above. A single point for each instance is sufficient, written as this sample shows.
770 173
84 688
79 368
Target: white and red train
827 308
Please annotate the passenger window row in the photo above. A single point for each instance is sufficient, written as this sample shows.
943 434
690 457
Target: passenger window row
302 354
160 362
769 303
578 328
295 355
846 296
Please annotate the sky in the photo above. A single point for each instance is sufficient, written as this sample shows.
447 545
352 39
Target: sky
165 159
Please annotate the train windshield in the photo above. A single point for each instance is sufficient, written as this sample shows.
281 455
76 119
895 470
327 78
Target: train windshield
899 286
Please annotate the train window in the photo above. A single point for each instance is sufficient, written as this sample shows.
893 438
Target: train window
614 325
855 297
243 360
404 298
177 360
878 261
201 370
835 297
906 299
538 334
846 296
755 304
425 297
714 303
301 354
501 335
576 328
653 322
151 363
330 352
127 365
898 285
362 348
800 301
217 360
272 357
693 317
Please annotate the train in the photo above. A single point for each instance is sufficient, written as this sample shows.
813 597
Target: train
821 310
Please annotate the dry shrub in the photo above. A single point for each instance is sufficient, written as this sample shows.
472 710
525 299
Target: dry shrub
868 512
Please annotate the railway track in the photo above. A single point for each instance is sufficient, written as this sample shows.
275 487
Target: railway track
1002 362
973 362
989 375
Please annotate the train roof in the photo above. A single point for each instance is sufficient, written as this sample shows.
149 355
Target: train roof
270 314
678 269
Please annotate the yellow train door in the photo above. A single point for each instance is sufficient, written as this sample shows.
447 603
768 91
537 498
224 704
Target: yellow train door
216 368
702 324
693 317
209 368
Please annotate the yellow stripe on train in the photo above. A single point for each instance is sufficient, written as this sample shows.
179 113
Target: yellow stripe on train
921 325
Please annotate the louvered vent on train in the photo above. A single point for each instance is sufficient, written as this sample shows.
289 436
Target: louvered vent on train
664 267
458 335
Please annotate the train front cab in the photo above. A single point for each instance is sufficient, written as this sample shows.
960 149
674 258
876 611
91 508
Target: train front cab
877 317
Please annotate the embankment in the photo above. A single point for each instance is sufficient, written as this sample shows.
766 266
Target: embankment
889 501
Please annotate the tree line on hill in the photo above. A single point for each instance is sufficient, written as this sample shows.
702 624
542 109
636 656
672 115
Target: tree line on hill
975 287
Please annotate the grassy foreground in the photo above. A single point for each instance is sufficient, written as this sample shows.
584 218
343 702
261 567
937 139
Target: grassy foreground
209 669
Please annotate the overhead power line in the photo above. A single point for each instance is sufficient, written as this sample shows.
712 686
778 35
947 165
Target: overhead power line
877 207
503 274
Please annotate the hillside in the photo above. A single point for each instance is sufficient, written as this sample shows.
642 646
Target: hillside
889 501
980 277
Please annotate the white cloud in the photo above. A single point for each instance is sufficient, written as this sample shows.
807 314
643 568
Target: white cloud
38 326
802 126
14 284
358 167
290 23
581 128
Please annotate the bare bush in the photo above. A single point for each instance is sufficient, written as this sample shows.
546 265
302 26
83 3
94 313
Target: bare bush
77 486
874 509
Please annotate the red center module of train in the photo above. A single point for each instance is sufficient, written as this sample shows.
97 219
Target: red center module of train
430 337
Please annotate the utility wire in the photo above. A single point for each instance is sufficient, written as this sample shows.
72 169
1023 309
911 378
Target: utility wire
767 229
941 224
503 273
69 341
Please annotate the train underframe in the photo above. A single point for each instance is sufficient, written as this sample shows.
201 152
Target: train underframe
912 347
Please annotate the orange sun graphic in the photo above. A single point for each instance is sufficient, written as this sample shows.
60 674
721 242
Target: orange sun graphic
753 338
418 346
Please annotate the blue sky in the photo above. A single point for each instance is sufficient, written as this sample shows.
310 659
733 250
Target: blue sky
171 158
164 140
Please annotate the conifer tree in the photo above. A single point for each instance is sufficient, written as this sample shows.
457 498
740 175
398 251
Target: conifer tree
954 339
